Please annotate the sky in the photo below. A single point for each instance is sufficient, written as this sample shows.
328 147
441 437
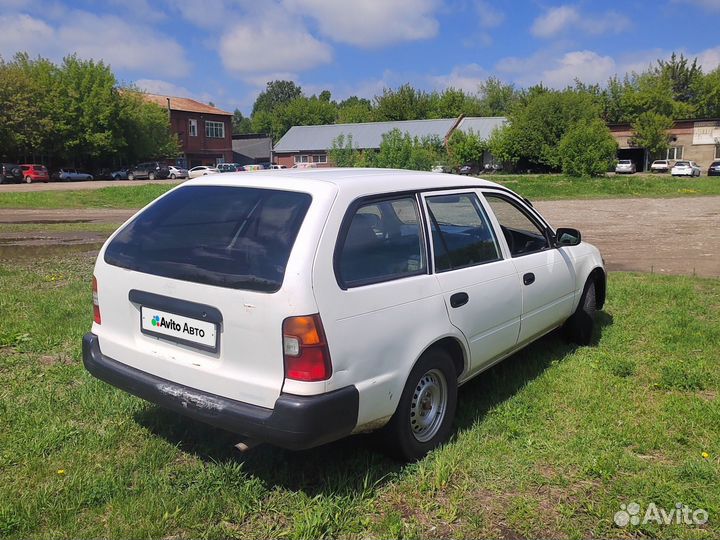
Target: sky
225 51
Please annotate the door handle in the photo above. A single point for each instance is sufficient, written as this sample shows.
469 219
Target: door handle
459 299
529 278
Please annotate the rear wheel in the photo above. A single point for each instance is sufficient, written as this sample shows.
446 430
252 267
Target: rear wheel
28 180
172 176
579 327
151 176
131 176
424 416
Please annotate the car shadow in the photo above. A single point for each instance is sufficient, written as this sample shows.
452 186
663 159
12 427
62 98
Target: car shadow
355 465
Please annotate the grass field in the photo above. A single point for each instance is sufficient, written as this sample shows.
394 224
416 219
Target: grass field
549 443
535 187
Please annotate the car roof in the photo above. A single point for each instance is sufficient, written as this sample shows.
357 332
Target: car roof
351 180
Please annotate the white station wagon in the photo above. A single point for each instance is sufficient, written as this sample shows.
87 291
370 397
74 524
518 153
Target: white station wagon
297 307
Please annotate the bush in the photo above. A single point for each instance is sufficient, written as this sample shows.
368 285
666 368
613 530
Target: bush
587 149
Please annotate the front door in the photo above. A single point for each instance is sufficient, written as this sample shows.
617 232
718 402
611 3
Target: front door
479 284
546 275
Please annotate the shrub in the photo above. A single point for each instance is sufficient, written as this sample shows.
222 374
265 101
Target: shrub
588 149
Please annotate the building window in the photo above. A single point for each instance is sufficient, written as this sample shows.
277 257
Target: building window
214 130
302 159
193 127
320 158
219 160
717 151
675 152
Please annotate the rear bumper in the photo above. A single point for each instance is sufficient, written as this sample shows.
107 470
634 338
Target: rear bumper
295 422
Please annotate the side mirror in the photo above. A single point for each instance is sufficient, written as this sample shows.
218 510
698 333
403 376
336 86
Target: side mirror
567 237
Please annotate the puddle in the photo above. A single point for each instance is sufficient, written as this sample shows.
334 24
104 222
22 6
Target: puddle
10 251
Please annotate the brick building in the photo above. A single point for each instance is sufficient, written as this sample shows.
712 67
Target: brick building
205 132
695 140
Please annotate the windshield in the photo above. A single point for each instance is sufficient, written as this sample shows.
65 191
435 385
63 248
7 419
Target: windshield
235 237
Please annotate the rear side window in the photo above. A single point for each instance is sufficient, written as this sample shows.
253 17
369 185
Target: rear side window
382 241
233 237
461 233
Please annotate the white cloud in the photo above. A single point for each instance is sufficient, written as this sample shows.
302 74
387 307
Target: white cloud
164 88
370 23
99 37
558 72
490 16
554 21
466 77
560 19
709 59
271 44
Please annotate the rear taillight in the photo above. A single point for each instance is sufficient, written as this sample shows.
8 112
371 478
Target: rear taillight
96 304
305 349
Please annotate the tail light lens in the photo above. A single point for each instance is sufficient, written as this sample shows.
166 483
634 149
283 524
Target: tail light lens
305 349
96 305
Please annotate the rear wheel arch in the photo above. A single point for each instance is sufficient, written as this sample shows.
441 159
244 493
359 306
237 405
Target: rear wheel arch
454 348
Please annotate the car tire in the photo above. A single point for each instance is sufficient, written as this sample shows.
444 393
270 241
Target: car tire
432 383
579 327
131 176
28 180
151 176
172 176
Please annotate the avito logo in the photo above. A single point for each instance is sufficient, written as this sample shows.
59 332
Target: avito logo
162 322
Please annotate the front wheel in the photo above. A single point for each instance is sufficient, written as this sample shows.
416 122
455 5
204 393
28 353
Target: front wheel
28 180
423 418
172 176
131 176
151 176
579 327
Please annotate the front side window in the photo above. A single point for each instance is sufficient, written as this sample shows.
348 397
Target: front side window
383 241
234 237
461 233
193 127
521 233
214 130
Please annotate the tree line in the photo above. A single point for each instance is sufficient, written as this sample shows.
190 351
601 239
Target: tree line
548 129
76 113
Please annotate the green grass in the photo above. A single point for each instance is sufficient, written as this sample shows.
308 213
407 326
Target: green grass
548 443
107 197
536 187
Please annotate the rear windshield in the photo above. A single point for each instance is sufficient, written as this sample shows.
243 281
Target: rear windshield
235 237
682 164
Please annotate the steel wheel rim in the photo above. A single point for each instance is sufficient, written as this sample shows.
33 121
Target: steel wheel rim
428 405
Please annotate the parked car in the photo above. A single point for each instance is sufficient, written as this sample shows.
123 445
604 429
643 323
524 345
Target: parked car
714 168
440 169
275 166
310 307
10 173
201 170
625 166
149 170
660 165
72 175
229 167
120 174
176 172
34 173
466 170
685 168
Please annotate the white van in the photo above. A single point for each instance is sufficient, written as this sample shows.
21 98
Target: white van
297 307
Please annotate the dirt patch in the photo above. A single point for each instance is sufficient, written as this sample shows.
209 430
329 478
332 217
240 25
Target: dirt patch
45 216
664 236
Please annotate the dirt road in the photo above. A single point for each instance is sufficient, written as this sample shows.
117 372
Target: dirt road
76 186
668 236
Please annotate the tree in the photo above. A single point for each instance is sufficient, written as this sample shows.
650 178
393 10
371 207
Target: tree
650 131
466 148
682 75
302 111
342 153
241 123
276 94
451 103
402 151
354 110
588 149
405 103
538 123
497 98
708 95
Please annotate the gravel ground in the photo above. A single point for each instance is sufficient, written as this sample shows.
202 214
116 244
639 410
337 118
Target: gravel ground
668 236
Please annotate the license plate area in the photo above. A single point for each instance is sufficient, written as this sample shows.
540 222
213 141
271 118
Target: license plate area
179 328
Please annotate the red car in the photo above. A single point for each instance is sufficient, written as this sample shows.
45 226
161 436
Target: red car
34 173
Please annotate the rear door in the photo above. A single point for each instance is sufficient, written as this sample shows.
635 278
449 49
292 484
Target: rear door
192 289
547 275
479 284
